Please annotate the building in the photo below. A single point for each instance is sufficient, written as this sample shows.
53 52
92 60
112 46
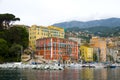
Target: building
76 39
96 54
118 56
101 44
36 32
86 53
113 55
25 57
57 49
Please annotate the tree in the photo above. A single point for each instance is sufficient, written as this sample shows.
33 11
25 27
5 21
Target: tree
3 50
12 38
6 20
11 41
18 35
95 58
15 52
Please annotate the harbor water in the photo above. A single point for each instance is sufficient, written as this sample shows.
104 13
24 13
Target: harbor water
66 74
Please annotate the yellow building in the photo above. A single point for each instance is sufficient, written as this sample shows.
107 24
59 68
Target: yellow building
36 32
86 53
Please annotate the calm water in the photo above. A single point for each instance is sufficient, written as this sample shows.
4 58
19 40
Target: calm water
67 74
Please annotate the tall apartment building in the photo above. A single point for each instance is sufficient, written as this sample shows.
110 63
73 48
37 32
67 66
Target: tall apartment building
101 44
36 32
86 53
57 49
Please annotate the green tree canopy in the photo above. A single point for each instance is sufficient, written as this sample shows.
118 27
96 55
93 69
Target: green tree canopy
18 35
3 50
15 52
95 58
12 38
3 47
12 41
6 19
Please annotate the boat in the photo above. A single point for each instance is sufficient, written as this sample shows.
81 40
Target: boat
85 65
117 64
31 66
112 66
99 65
75 65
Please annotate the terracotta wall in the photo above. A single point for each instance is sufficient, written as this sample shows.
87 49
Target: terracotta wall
57 48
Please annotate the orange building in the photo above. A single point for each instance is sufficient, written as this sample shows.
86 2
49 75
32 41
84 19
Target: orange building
101 44
57 49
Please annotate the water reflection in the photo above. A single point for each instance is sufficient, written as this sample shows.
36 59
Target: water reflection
7 74
87 74
100 74
67 74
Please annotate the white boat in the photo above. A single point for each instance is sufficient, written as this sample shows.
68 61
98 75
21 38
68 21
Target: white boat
85 65
75 65
117 64
99 65
112 66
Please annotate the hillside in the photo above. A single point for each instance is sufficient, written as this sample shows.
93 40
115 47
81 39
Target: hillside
110 22
98 31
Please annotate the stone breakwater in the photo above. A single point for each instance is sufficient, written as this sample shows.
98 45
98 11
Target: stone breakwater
31 66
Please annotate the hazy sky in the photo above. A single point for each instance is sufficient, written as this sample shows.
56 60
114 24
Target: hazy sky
48 12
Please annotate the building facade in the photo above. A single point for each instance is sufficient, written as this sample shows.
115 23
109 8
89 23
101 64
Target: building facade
76 39
101 44
57 49
86 53
113 55
96 54
36 32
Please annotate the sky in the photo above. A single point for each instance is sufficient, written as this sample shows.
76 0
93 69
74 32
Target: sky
48 12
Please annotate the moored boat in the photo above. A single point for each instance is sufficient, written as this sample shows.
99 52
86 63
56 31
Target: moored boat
99 65
75 65
112 65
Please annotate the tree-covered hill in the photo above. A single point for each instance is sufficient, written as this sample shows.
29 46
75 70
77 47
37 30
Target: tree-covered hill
101 31
110 22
